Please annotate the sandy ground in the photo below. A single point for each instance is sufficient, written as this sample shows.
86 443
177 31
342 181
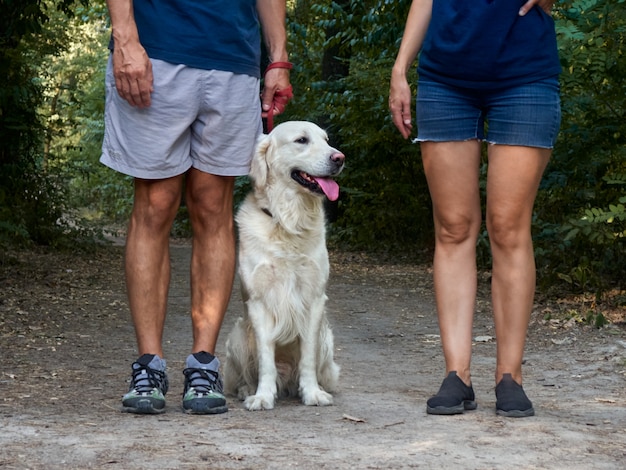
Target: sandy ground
66 346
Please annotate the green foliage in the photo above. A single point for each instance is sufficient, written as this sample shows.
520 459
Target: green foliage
603 227
581 222
32 202
74 110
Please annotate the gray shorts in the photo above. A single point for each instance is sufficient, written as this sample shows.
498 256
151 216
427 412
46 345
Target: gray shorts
206 119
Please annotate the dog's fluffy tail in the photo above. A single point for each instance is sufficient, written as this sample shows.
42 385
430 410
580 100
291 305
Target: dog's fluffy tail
239 372
327 369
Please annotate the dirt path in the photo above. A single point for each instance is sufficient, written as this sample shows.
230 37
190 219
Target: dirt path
66 345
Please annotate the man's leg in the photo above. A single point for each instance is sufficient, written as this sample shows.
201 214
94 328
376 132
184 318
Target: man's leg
210 202
148 260
147 281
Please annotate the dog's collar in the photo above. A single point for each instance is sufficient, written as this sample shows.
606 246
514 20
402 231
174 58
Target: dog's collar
267 211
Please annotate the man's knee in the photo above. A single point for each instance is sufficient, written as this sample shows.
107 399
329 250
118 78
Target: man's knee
209 197
156 202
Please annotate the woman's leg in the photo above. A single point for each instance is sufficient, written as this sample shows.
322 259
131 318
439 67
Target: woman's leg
513 179
452 171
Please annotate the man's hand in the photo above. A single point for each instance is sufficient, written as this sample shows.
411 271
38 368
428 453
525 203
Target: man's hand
276 79
545 5
132 70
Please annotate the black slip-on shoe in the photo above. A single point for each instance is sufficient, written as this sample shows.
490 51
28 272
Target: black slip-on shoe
453 397
511 400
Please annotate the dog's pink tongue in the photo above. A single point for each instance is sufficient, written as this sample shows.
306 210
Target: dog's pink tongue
330 187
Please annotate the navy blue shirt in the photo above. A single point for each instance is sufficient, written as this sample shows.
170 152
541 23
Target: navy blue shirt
205 34
486 44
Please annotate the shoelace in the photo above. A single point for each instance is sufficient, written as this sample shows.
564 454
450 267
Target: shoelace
203 381
146 379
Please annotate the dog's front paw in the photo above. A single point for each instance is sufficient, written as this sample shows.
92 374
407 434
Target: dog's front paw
259 402
317 398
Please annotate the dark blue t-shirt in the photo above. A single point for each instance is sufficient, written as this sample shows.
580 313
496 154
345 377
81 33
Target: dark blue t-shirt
205 34
486 44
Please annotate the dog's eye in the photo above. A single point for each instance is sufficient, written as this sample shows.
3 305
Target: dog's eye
302 140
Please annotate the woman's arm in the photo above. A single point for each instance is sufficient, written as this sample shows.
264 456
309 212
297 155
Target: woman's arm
399 92
545 5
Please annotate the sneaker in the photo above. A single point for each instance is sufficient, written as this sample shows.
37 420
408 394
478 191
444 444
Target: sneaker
511 400
148 386
203 392
453 397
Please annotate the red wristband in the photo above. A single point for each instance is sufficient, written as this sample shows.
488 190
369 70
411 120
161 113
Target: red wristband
279 65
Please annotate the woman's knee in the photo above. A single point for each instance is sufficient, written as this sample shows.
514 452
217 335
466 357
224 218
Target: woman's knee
455 231
507 232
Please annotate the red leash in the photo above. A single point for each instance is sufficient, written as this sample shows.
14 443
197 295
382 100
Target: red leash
281 97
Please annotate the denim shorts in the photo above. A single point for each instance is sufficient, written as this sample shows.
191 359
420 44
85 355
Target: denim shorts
526 115
205 119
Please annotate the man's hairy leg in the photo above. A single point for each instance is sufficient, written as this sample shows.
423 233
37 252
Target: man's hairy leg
147 258
210 203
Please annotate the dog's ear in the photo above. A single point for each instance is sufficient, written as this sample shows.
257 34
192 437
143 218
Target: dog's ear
258 167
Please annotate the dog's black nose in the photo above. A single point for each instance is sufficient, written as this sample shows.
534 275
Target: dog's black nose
338 157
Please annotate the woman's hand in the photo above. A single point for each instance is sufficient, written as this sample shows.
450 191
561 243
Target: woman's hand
545 5
400 103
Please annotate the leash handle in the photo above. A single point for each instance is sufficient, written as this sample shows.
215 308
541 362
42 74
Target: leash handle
281 97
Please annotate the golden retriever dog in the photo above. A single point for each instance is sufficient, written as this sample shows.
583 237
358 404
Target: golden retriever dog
283 345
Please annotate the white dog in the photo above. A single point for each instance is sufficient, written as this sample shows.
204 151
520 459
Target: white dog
283 346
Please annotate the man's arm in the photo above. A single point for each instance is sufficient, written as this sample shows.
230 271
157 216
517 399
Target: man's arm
131 66
272 15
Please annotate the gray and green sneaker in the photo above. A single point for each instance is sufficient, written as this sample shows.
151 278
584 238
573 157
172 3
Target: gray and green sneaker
203 392
148 386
